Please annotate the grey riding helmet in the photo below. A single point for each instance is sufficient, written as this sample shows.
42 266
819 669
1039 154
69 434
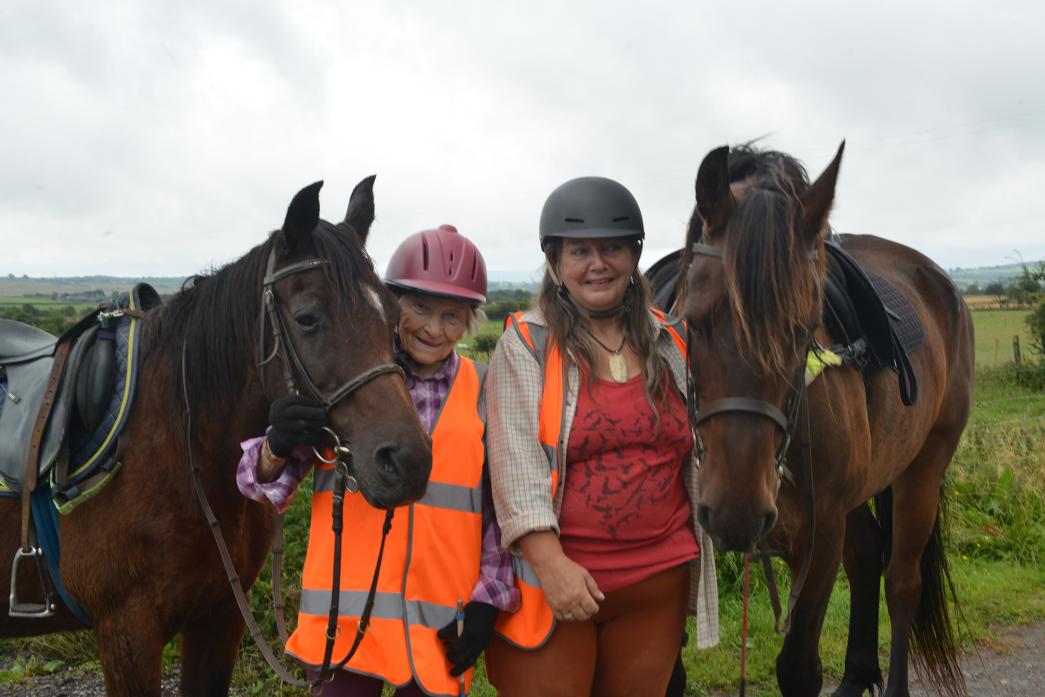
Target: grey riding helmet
590 208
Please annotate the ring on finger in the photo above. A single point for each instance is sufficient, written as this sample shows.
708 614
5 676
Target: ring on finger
567 616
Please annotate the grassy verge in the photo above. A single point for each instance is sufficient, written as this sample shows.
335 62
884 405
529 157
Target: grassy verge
991 592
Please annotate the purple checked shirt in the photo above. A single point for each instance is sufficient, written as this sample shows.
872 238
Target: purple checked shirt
496 584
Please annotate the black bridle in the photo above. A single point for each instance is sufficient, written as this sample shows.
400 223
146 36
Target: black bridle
283 348
785 421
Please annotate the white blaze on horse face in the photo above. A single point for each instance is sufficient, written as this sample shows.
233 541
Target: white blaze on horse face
375 302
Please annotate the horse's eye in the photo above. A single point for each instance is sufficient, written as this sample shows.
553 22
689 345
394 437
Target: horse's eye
308 321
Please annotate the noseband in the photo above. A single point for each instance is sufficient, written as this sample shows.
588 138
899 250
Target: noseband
284 349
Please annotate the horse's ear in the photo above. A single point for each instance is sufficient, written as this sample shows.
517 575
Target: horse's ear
816 202
360 213
714 198
302 215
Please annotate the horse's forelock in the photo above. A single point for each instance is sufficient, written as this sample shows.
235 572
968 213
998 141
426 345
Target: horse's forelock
350 269
768 280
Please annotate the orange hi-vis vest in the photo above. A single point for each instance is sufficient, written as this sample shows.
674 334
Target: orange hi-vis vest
431 558
531 625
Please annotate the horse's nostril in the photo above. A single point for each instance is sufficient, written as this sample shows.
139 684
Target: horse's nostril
384 458
768 521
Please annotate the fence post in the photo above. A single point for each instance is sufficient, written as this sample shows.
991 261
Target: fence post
1016 349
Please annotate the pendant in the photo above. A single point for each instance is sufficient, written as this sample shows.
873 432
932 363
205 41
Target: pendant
618 368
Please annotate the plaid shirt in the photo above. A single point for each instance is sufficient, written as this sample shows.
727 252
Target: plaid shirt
519 466
496 584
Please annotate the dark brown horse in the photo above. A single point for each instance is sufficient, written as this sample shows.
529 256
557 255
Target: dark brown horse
139 557
754 301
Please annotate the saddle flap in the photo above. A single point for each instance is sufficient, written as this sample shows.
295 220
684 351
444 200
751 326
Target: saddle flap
864 306
23 342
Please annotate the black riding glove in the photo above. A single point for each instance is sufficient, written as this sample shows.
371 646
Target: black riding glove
295 420
464 651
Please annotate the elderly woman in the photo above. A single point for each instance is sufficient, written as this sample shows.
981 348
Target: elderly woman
442 550
592 465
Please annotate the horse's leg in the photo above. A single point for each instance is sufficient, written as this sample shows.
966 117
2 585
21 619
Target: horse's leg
863 565
798 668
209 647
130 645
914 582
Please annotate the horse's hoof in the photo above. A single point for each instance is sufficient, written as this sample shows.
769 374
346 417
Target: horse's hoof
852 688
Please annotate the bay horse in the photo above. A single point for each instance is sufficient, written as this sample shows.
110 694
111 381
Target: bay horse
139 556
753 299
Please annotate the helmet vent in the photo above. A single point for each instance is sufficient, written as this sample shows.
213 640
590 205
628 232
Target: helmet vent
475 266
424 253
574 220
620 219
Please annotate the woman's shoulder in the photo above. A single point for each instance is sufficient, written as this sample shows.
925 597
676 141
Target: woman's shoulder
663 321
531 316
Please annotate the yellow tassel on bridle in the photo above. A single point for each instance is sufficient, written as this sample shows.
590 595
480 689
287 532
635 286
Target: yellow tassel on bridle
817 360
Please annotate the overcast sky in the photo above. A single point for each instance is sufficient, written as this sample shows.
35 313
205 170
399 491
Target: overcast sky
163 138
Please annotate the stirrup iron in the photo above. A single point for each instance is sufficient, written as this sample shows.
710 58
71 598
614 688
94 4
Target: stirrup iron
36 611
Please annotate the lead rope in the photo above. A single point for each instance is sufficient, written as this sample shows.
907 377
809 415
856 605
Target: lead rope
743 625
233 577
223 551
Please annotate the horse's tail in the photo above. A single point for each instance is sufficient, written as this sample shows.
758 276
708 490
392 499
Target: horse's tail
932 632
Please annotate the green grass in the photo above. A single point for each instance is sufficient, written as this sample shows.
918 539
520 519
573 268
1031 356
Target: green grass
992 594
994 332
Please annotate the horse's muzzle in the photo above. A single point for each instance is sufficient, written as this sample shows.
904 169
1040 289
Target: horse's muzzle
398 475
738 529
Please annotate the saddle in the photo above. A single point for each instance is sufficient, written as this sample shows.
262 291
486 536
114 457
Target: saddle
63 403
875 324
90 404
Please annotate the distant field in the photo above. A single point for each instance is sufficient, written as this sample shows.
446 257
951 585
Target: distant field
45 303
991 326
994 332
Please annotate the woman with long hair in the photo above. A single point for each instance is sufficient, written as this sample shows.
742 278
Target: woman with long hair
592 466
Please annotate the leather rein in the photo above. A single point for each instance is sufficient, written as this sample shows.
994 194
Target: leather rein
786 421
283 348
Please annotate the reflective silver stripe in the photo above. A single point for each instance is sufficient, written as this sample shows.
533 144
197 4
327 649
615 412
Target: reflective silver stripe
323 481
525 572
552 453
386 606
317 602
453 497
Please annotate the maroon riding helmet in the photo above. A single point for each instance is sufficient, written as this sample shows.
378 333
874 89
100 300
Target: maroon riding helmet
439 262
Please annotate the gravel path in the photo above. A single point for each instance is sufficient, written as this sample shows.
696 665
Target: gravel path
1011 665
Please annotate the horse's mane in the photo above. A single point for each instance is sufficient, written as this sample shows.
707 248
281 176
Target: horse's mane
768 280
216 315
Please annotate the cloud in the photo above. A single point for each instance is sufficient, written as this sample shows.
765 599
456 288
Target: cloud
163 139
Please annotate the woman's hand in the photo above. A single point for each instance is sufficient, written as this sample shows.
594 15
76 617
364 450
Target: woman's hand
568 588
